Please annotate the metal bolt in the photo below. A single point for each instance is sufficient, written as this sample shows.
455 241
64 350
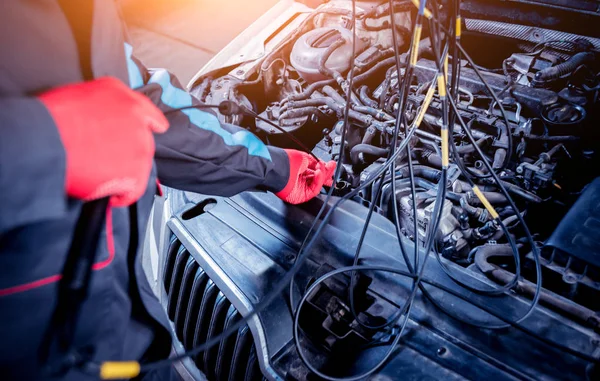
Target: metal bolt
441 351
570 279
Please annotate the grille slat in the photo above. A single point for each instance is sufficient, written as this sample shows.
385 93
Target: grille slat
208 301
191 318
180 262
252 368
184 295
225 354
241 355
200 311
217 322
174 246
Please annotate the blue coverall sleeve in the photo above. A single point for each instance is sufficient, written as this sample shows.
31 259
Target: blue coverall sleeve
200 154
32 164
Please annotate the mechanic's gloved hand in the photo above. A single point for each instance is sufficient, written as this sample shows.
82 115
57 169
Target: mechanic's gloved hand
307 177
106 129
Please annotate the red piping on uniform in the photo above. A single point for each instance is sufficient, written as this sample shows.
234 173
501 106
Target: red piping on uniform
159 190
31 285
110 244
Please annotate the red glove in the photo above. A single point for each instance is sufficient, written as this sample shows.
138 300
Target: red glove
307 177
106 129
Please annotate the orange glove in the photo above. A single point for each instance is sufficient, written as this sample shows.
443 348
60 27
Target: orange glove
307 177
107 132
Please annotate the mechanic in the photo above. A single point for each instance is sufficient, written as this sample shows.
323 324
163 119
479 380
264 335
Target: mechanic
73 130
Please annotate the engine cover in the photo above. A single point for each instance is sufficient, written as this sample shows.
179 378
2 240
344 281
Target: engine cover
243 245
577 234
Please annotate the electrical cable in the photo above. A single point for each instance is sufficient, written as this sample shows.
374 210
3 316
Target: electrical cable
440 187
430 238
402 94
456 59
493 212
445 269
428 14
402 91
534 248
454 293
338 170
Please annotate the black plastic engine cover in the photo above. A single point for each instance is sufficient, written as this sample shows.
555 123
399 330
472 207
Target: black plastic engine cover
247 242
577 233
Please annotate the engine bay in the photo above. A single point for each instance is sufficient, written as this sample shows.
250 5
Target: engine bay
485 152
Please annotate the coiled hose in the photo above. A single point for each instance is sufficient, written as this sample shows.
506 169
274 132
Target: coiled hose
368 149
560 70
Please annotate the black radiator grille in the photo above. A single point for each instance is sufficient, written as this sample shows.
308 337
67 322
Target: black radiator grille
200 311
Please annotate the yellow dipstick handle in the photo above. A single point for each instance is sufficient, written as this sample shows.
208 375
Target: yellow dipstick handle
485 202
445 159
426 102
441 85
112 370
414 55
446 67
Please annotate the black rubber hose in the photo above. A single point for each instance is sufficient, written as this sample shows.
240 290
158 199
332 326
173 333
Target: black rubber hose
567 67
434 160
323 69
313 102
552 138
384 9
469 147
518 191
385 87
404 32
337 103
366 149
430 174
386 63
484 253
390 103
300 112
374 112
310 89
374 59
365 98
329 91
470 209
492 197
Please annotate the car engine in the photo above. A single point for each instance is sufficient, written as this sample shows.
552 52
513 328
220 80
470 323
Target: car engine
527 99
